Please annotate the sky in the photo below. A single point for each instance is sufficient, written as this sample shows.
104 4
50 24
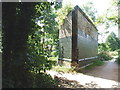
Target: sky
101 7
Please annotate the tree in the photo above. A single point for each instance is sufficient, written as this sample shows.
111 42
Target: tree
62 12
16 26
89 9
110 17
43 39
112 41
103 47
24 41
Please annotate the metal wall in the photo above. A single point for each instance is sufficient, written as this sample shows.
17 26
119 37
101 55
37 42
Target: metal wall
87 37
87 46
65 38
78 38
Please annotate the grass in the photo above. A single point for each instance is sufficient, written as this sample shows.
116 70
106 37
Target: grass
63 69
104 56
96 63
53 58
58 68
72 70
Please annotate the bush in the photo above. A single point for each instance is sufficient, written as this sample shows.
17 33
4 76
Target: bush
42 80
104 56
114 53
64 69
118 60
95 63
103 47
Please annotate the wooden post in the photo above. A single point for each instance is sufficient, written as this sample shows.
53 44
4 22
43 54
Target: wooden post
74 37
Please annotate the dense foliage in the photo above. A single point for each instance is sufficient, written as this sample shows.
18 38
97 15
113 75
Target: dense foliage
63 12
112 44
30 34
104 56
30 39
112 41
118 59
110 17
43 39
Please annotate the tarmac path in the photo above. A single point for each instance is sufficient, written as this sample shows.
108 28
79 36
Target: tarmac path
107 71
105 76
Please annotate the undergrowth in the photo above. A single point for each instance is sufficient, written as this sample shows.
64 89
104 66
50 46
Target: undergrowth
64 69
104 56
118 60
43 80
96 63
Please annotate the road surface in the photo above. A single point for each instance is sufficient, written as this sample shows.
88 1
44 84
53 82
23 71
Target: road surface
107 71
105 76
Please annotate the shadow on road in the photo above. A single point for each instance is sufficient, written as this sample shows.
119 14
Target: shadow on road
107 71
66 83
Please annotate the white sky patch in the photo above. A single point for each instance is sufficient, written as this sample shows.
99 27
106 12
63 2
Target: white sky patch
101 7
105 35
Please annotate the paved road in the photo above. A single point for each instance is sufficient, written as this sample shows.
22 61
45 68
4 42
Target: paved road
105 76
107 71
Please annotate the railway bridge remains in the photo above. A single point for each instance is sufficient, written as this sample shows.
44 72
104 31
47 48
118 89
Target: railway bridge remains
78 39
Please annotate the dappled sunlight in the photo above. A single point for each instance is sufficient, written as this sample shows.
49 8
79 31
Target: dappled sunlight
104 76
87 81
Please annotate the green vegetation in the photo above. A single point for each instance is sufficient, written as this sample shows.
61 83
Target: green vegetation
62 12
112 41
109 48
30 43
118 59
104 56
29 38
114 53
110 17
96 63
43 80
64 69
111 44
